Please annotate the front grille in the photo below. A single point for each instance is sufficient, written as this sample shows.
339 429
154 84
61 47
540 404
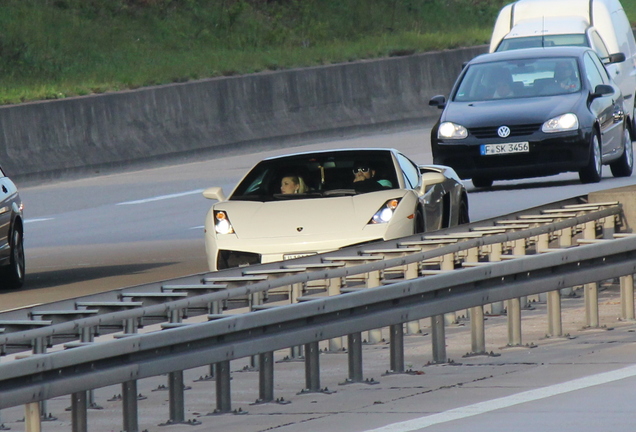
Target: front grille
516 130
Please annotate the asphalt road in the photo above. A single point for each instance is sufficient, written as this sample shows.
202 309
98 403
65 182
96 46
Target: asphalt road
111 230
120 229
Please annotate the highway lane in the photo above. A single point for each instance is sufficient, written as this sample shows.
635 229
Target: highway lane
125 228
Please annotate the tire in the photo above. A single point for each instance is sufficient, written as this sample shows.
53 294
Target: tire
593 171
624 166
481 182
13 274
463 216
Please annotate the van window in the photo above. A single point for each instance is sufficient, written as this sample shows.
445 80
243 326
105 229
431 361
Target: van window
598 44
543 41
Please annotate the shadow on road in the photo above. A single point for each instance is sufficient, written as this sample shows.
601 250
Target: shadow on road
48 279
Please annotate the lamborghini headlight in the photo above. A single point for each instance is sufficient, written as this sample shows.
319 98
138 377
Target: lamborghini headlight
562 123
386 212
222 223
450 130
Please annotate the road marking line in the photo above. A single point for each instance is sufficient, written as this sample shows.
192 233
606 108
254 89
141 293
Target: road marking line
37 220
161 197
508 401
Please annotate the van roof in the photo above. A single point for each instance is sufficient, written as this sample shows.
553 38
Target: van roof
561 8
550 8
550 26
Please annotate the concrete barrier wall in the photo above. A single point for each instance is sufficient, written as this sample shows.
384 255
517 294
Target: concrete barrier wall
53 137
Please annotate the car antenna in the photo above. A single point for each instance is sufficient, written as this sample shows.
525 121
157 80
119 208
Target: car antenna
543 31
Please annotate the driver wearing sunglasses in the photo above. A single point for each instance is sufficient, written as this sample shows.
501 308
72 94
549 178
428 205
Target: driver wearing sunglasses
363 178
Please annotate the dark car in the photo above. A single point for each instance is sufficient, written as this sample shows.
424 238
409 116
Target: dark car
11 235
533 112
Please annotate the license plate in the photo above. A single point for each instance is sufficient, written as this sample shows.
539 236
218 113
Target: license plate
507 148
298 255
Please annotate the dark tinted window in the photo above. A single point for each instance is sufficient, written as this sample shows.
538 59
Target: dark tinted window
325 174
592 72
543 41
519 79
410 171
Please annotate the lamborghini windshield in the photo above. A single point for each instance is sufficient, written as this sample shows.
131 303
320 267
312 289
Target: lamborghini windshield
316 175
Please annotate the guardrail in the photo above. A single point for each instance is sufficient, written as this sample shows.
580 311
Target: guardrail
430 275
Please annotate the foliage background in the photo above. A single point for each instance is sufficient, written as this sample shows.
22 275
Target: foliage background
61 48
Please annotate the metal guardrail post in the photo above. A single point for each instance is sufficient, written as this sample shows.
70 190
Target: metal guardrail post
130 326
609 227
256 299
397 348
565 240
215 309
39 347
519 249
542 243
295 352
514 322
79 407
591 305
354 342
87 335
176 387
411 272
223 396
448 264
373 280
32 417
266 377
627 297
129 406
496 308
552 298
477 330
333 288
555 327
591 289
438 334
476 314
176 397
129 390
312 367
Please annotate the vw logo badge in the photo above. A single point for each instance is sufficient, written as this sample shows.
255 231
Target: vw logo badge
503 131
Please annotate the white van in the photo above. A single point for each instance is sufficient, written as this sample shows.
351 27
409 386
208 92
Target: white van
599 24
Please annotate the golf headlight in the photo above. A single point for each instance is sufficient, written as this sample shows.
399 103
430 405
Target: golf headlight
222 223
450 130
562 123
385 213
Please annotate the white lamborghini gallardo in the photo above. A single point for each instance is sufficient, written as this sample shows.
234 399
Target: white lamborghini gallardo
258 223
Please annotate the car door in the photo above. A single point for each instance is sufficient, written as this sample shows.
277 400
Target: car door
608 109
6 197
433 199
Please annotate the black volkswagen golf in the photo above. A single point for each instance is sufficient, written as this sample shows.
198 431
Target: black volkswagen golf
531 113
11 235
